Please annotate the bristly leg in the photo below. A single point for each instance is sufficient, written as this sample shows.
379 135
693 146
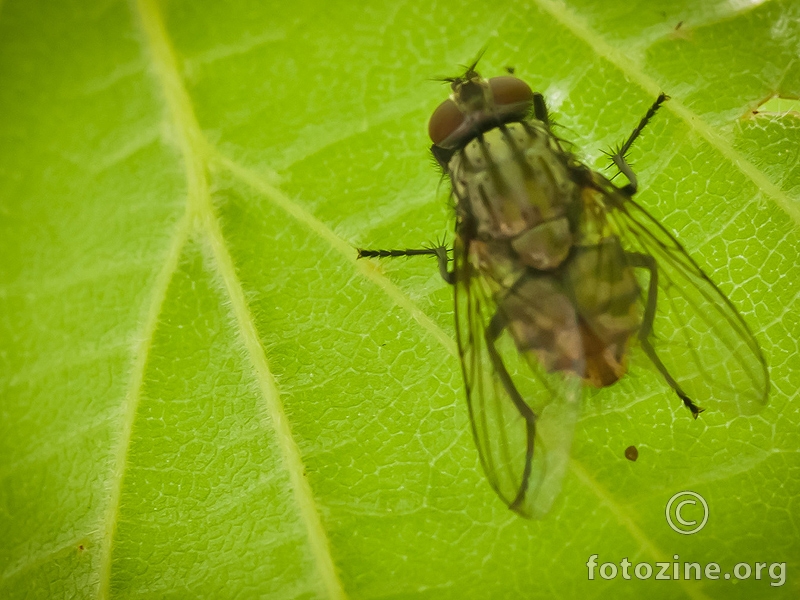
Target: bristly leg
439 250
618 156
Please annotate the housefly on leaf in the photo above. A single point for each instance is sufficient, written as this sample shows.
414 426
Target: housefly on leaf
560 280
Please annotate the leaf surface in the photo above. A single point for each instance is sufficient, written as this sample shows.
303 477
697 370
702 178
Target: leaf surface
203 394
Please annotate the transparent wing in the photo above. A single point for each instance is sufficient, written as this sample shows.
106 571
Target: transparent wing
697 334
522 418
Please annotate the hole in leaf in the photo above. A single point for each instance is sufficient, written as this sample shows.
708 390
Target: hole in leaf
780 106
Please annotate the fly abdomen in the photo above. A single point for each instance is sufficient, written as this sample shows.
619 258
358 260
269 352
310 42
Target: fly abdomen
543 322
512 184
579 319
604 290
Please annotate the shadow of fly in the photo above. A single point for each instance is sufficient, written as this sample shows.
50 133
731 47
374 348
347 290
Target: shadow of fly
560 278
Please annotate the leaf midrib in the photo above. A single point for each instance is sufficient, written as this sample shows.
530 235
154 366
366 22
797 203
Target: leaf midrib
200 218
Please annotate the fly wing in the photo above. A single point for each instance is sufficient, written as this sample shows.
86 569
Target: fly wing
697 333
522 418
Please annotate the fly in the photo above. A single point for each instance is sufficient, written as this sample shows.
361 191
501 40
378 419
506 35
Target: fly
560 279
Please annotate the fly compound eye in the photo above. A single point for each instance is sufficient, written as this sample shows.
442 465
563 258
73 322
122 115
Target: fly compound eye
444 121
509 90
507 98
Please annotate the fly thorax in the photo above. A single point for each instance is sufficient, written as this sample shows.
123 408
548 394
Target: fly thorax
512 183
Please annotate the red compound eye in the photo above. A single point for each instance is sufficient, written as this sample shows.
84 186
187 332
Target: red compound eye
444 121
509 94
509 90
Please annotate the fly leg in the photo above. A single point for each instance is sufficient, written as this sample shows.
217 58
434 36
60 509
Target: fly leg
618 157
440 252
644 261
493 331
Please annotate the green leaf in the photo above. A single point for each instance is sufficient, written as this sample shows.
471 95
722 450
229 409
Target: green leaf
203 394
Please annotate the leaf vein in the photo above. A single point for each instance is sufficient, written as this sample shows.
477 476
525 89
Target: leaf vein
604 50
200 214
